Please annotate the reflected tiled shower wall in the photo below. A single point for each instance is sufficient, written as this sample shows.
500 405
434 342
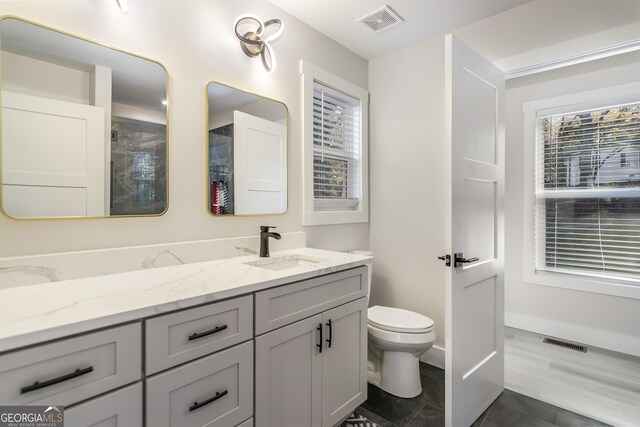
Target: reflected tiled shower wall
221 196
138 167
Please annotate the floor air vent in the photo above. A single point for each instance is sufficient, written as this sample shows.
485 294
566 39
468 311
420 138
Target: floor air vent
565 344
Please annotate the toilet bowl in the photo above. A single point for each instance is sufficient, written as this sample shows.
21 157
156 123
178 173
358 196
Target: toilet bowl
397 338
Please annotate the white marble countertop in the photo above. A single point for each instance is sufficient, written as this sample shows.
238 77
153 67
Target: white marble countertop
37 313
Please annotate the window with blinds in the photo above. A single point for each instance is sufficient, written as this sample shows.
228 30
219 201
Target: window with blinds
588 192
336 150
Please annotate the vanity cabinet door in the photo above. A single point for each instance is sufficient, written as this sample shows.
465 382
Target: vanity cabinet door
122 408
344 361
288 376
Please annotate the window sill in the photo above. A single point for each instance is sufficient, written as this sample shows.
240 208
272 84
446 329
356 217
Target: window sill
584 284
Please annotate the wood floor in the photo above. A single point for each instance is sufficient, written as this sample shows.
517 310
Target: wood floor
599 384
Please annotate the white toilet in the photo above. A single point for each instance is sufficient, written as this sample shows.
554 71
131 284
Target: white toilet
397 338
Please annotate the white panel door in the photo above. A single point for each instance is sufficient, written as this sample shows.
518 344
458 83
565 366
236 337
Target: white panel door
474 370
52 157
259 165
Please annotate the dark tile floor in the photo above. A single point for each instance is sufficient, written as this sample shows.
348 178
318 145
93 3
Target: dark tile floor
509 410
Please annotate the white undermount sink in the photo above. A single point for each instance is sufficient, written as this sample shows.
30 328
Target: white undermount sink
284 262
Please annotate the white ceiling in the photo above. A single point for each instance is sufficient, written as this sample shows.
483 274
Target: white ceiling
547 30
512 33
423 19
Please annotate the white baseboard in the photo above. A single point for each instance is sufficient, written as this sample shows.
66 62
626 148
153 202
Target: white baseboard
434 356
581 334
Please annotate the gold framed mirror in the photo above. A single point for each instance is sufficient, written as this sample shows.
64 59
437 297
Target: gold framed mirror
246 152
84 127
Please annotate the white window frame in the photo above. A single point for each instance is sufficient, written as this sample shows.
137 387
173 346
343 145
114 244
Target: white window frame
311 73
629 288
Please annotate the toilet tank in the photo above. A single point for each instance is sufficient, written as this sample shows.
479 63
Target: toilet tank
369 267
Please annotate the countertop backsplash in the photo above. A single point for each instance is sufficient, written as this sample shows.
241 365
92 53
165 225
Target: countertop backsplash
30 270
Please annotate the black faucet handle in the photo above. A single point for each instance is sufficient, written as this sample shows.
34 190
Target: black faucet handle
265 228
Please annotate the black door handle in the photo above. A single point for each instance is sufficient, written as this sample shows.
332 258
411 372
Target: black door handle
459 259
319 345
446 259
330 333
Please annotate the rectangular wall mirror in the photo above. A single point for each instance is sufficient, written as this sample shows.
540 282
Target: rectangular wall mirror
246 153
84 127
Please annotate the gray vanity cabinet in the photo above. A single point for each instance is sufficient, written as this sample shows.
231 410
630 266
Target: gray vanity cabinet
72 370
312 372
215 391
122 408
344 364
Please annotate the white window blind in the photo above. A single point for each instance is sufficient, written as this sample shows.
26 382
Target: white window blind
588 192
336 150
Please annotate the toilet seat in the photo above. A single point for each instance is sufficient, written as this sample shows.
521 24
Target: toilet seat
399 320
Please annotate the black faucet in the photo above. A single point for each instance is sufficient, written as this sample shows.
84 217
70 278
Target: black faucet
264 239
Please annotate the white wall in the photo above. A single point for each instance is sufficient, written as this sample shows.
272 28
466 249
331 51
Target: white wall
137 113
596 319
194 40
407 168
263 108
40 78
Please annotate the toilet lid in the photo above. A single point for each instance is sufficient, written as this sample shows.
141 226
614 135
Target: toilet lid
399 320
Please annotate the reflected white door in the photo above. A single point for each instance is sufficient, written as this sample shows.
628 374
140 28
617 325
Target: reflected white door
259 165
52 157
475 290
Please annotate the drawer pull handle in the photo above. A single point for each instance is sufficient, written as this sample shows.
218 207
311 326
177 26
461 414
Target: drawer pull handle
38 385
330 339
197 335
197 405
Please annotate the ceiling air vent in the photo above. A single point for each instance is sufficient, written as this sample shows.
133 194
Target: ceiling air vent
565 344
381 19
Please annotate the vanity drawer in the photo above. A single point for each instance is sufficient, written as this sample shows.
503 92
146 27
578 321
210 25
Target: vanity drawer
286 304
213 391
248 423
71 370
180 337
122 408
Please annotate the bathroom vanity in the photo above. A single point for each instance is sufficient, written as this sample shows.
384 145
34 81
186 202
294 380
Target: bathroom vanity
236 342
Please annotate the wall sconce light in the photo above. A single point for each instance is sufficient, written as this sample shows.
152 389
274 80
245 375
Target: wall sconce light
124 7
255 42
